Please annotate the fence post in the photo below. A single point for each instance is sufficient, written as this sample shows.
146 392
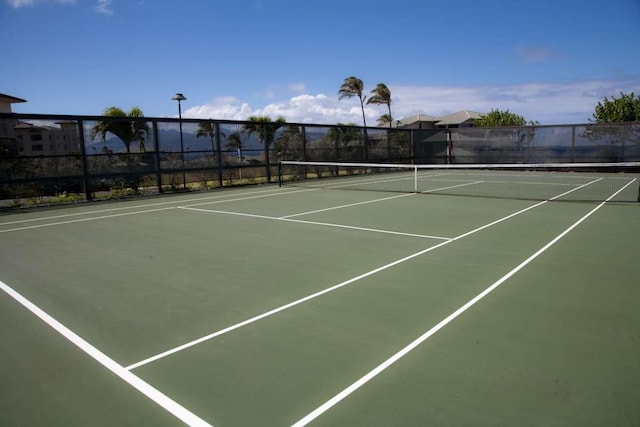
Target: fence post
266 128
156 156
304 143
88 194
218 155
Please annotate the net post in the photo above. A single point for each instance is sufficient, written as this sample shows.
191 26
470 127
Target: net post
279 173
415 179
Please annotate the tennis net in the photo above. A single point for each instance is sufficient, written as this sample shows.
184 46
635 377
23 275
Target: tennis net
617 182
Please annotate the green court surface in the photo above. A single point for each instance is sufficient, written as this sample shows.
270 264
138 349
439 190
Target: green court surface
278 306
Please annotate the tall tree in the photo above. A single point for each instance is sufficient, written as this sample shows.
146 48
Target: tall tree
208 129
346 138
264 127
290 144
353 86
622 119
234 142
266 131
381 95
385 120
522 133
623 109
126 130
499 118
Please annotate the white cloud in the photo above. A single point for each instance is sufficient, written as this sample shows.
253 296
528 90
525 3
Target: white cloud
103 7
225 108
548 103
23 3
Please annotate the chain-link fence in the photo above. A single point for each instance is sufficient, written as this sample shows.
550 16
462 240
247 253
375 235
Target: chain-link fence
50 158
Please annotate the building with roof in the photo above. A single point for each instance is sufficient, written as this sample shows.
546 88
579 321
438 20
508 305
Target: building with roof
7 132
460 119
6 101
35 140
464 118
29 139
418 121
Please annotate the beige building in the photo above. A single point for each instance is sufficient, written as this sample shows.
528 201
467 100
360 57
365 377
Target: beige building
7 132
29 139
34 140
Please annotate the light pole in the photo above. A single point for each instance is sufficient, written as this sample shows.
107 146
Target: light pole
180 97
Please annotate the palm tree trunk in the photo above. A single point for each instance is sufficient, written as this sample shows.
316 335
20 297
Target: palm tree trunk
366 135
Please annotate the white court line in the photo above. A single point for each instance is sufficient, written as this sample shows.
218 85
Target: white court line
239 199
140 212
377 200
390 361
374 230
147 205
452 186
322 292
143 387
333 288
94 218
357 179
325 224
495 181
345 206
338 286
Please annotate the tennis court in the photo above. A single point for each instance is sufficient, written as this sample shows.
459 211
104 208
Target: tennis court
277 306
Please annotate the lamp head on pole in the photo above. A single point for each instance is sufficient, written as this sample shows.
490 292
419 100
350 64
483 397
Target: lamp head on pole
179 97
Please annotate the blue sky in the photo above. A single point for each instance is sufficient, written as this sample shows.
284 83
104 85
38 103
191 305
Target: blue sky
549 61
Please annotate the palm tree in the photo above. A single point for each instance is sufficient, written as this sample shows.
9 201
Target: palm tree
290 144
382 95
384 120
344 136
353 86
126 130
266 131
208 129
234 142
264 128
